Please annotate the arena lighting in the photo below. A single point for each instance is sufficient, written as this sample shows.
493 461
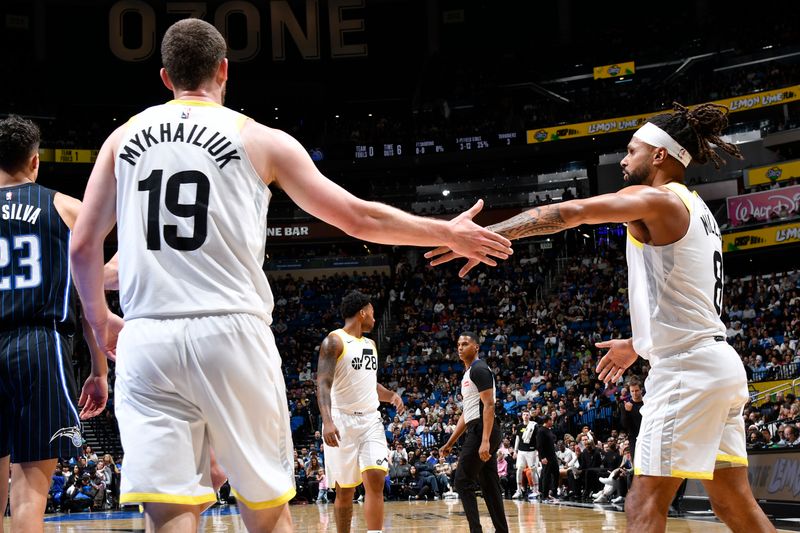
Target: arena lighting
585 236
275 109
369 114
446 192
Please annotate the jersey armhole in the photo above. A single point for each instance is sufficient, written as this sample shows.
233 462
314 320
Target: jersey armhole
344 344
682 192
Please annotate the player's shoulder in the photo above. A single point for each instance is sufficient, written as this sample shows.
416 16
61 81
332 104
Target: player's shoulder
334 337
252 130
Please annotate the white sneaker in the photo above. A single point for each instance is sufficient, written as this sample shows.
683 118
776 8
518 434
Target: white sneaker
618 499
607 480
533 496
602 498
517 495
360 498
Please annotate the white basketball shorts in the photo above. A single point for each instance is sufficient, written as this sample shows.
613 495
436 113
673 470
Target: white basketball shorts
362 446
692 415
187 384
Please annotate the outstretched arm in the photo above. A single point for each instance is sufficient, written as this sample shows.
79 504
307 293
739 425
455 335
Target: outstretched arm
288 164
632 203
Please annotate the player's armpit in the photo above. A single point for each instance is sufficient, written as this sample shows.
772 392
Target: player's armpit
67 207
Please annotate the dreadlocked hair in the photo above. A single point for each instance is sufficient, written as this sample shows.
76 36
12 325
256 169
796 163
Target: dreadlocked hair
696 129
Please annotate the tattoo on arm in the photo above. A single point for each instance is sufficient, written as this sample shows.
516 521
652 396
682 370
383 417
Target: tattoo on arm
537 221
328 354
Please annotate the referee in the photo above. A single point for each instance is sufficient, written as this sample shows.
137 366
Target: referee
477 461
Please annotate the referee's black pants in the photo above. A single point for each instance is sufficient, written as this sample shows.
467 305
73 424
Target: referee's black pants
549 478
471 470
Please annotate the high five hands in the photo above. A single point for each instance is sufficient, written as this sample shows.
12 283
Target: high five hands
476 244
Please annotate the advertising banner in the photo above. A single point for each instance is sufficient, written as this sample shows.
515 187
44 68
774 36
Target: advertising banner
761 237
773 173
774 476
762 205
614 125
613 71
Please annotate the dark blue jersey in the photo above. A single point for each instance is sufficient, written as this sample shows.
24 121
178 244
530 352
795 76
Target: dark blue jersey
35 284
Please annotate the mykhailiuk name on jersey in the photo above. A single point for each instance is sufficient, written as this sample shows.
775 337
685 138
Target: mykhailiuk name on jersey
174 132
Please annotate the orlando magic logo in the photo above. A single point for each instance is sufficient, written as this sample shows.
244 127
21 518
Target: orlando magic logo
73 433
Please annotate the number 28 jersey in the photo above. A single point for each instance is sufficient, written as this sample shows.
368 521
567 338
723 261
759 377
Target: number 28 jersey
675 291
355 379
191 215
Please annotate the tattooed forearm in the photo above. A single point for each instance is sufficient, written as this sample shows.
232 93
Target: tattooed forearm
537 221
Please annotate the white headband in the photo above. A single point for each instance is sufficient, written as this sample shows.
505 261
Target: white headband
655 136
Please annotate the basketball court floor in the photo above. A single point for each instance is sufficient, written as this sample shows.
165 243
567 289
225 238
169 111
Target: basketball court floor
429 517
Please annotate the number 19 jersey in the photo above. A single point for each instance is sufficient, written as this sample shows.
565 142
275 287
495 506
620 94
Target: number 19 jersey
675 290
191 215
355 379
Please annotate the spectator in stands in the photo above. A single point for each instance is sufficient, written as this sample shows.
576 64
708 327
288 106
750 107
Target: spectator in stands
420 487
398 453
630 416
322 484
590 463
427 439
567 465
790 437
57 488
83 495
88 455
502 473
312 481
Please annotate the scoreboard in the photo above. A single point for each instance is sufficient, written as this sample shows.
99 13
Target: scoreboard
424 147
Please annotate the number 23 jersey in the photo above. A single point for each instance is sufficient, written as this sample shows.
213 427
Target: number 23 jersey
191 215
355 379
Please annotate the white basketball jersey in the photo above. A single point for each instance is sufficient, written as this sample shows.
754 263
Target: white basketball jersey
675 291
191 215
355 380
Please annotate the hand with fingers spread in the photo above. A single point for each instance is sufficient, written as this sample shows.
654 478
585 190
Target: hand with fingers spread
476 244
616 361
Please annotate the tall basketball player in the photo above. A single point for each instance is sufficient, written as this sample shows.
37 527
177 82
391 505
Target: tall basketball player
692 424
188 184
348 396
39 421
